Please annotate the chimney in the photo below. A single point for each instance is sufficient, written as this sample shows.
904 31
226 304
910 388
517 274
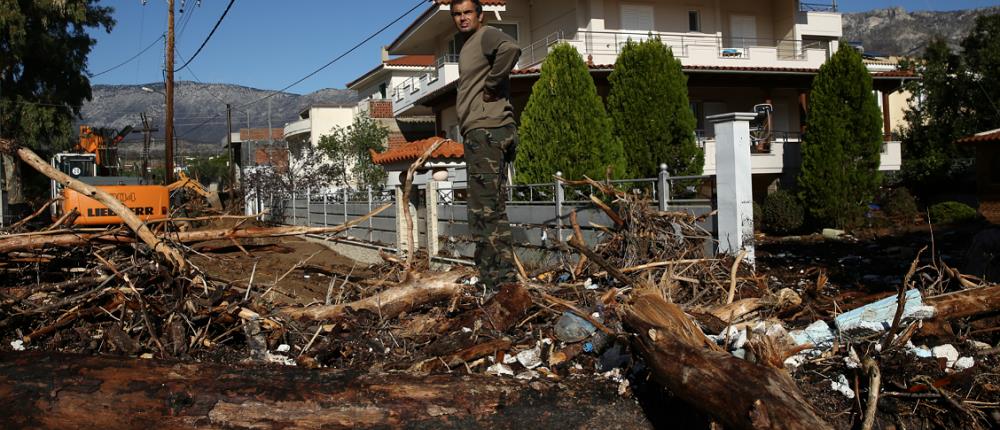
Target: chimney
385 54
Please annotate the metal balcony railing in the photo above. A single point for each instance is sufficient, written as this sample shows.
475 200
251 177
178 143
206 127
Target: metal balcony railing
818 6
431 75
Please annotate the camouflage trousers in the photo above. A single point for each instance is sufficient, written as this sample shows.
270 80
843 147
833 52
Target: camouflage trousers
488 154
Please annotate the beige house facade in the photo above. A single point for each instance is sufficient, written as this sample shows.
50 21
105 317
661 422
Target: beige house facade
736 54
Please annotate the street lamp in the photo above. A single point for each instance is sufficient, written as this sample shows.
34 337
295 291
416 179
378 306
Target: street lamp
168 145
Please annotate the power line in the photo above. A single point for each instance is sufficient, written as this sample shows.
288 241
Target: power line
187 18
130 59
313 73
230 5
354 48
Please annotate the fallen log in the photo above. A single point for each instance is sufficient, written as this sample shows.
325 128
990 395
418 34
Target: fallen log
737 393
417 291
68 240
47 390
169 253
965 303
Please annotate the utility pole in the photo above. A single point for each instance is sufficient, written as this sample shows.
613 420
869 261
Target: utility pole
168 174
229 146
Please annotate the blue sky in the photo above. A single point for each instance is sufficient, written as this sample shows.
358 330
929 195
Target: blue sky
271 44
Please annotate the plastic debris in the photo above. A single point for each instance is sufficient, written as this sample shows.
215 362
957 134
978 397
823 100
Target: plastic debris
842 386
284 348
921 351
877 317
527 375
964 363
571 328
530 358
500 369
18 345
947 352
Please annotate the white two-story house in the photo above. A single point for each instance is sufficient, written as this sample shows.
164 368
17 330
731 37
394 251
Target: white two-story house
736 54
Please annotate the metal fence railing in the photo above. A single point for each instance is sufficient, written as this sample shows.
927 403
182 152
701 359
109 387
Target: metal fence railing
538 213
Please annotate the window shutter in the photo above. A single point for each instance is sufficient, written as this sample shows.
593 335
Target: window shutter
637 17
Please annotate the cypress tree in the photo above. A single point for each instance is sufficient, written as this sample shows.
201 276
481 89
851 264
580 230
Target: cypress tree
840 151
564 127
650 111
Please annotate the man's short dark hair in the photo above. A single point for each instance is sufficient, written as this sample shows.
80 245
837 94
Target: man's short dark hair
478 3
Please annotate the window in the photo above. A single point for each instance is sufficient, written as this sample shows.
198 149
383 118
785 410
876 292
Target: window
694 21
509 29
636 17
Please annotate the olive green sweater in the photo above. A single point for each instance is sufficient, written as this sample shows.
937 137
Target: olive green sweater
484 64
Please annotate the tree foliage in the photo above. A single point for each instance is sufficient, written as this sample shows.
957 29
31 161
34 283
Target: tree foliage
650 111
840 151
307 171
564 127
349 149
209 170
43 66
936 118
956 96
981 51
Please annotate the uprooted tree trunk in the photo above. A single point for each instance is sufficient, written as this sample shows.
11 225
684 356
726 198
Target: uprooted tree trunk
48 390
965 303
46 240
415 292
737 393
172 255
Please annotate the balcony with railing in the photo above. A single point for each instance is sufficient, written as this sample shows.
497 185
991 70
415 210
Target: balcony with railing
302 126
603 47
407 94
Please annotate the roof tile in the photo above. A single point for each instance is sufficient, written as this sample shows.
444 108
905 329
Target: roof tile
992 136
412 60
413 150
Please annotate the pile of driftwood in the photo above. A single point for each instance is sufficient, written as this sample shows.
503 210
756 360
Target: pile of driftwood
119 329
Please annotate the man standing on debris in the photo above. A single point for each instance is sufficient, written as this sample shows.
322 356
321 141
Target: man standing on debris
486 117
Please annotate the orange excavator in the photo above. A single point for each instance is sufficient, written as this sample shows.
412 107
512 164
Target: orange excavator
96 162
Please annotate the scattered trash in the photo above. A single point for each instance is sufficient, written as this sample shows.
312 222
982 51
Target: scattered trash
18 345
830 233
842 386
964 363
530 358
947 352
571 328
500 370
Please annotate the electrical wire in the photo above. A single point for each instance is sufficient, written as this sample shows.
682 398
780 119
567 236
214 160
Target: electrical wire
132 58
339 57
186 19
216 27
314 72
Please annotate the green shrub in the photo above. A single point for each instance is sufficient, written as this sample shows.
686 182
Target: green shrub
949 212
899 204
840 150
782 213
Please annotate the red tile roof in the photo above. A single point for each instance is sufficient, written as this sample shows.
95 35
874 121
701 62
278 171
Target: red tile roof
895 74
413 150
992 136
412 60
